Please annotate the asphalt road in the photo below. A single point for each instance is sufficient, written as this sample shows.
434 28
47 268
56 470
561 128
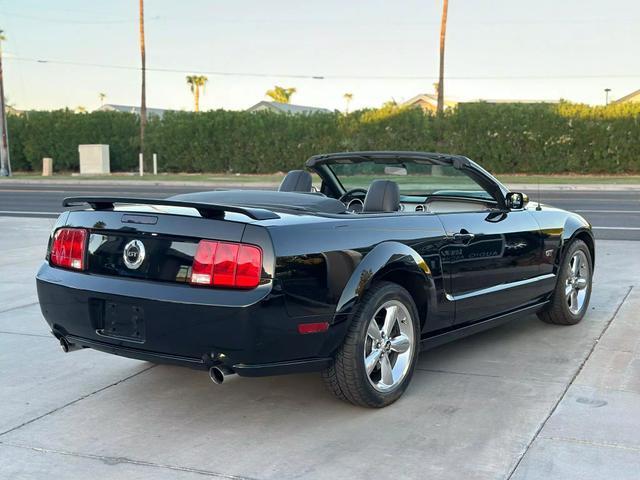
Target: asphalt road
615 215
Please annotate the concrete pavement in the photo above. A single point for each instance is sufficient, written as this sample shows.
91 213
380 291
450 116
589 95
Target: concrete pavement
524 401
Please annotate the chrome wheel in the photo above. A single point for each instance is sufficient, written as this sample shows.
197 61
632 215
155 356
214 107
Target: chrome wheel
389 346
578 282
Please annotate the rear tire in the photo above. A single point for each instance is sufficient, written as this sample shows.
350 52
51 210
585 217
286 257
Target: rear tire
375 363
571 296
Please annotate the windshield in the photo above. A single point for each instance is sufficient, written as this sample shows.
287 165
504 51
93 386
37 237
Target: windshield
412 178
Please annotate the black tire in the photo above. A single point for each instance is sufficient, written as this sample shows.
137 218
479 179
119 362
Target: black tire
558 311
347 377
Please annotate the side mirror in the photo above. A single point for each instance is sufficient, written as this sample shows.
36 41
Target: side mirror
516 200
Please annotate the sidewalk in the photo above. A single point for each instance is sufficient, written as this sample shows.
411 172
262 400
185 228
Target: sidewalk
230 184
594 432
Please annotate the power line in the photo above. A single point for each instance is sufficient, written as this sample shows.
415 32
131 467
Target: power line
314 77
332 21
77 22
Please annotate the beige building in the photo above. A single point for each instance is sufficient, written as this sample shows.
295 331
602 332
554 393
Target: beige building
428 102
633 97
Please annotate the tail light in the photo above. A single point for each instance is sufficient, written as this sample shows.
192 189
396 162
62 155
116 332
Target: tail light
225 264
68 248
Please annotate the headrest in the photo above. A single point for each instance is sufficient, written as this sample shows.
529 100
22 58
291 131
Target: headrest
296 181
382 196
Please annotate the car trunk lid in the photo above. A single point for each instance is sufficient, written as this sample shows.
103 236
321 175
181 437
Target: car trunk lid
153 242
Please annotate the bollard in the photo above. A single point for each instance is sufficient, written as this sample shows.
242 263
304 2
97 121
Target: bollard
47 166
155 164
141 161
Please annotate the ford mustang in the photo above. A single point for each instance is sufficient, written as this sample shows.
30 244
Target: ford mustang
351 268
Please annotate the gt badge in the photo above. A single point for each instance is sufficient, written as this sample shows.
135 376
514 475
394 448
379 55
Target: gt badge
133 254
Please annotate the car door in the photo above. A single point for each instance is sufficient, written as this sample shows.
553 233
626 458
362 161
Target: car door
493 262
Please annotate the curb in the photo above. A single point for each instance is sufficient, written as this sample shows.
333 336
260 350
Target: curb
528 187
594 187
166 183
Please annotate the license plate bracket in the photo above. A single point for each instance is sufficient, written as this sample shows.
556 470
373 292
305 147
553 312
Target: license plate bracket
124 321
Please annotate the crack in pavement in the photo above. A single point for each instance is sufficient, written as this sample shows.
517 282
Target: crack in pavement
117 460
75 401
25 334
17 307
593 444
501 377
571 382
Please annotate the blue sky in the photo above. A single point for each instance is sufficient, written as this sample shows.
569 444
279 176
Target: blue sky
509 49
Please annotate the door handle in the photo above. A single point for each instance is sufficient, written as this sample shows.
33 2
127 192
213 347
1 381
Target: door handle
463 238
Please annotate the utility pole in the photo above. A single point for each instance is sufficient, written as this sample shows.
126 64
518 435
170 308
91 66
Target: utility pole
143 99
443 34
5 161
606 96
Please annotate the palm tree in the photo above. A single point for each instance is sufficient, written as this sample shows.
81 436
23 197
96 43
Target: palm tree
143 96
443 33
347 98
102 97
81 109
281 94
195 83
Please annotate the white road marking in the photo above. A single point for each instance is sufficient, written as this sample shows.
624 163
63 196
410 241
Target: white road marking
69 192
2 212
576 199
608 211
616 228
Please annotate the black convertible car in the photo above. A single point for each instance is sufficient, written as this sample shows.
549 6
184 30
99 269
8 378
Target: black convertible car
395 251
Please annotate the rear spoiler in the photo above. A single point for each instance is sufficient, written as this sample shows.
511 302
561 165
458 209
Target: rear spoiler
207 210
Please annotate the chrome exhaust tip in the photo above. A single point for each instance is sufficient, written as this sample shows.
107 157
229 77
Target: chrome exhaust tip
218 374
66 346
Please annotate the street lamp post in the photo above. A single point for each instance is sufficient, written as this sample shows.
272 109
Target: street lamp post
5 162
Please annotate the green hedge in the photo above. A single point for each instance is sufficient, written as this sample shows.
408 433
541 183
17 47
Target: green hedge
57 134
505 138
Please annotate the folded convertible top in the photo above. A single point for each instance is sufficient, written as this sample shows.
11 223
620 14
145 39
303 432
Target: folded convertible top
290 202
208 210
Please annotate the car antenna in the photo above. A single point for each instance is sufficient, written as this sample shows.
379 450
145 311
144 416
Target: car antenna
538 207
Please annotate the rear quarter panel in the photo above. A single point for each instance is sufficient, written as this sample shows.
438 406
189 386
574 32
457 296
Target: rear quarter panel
317 259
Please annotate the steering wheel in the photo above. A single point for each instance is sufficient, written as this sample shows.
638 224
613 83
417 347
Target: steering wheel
349 193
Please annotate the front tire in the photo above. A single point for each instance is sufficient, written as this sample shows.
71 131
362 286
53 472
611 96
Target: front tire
375 363
571 297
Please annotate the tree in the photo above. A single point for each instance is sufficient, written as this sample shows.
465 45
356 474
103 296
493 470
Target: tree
80 109
143 96
443 34
196 82
281 94
348 97
102 97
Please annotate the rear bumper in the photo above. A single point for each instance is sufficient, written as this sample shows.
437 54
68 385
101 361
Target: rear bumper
247 331
256 370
